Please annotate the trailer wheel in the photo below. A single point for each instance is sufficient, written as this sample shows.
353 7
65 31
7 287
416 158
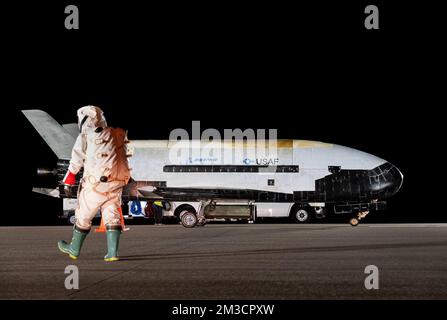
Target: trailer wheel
354 222
71 219
188 219
301 215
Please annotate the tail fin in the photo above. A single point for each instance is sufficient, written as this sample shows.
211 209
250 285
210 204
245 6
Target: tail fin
72 129
59 140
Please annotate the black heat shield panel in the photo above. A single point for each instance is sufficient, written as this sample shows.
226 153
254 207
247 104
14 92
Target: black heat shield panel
354 186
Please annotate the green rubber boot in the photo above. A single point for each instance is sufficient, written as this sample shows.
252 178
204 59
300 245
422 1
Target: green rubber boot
73 249
113 239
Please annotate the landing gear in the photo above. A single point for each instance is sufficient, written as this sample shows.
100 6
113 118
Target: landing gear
355 221
320 212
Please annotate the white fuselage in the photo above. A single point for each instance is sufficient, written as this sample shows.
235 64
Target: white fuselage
149 157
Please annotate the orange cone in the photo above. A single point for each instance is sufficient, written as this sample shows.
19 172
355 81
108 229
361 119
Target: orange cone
102 227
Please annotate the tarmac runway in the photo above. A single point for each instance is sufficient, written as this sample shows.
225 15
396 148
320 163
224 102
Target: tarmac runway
231 261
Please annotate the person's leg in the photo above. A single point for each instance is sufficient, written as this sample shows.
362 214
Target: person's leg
149 210
113 234
73 249
89 203
158 214
112 221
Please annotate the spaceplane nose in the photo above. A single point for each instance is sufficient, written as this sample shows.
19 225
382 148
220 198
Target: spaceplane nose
385 180
397 178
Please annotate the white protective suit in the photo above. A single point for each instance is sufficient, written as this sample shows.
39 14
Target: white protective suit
101 150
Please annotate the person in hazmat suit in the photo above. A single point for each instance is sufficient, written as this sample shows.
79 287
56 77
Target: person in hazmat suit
101 151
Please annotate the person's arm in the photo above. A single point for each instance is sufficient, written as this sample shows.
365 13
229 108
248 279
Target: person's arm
76 162
78 155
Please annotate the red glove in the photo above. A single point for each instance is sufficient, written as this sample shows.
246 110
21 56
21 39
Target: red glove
70 178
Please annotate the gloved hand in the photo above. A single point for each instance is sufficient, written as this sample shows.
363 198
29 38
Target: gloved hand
69 181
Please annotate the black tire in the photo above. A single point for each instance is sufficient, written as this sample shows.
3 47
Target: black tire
183 208
301 215
188 219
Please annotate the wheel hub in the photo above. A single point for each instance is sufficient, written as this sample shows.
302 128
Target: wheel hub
302 215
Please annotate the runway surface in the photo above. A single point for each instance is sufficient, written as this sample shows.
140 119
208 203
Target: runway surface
231 261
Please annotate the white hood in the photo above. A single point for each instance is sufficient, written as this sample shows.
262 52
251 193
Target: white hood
90 118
